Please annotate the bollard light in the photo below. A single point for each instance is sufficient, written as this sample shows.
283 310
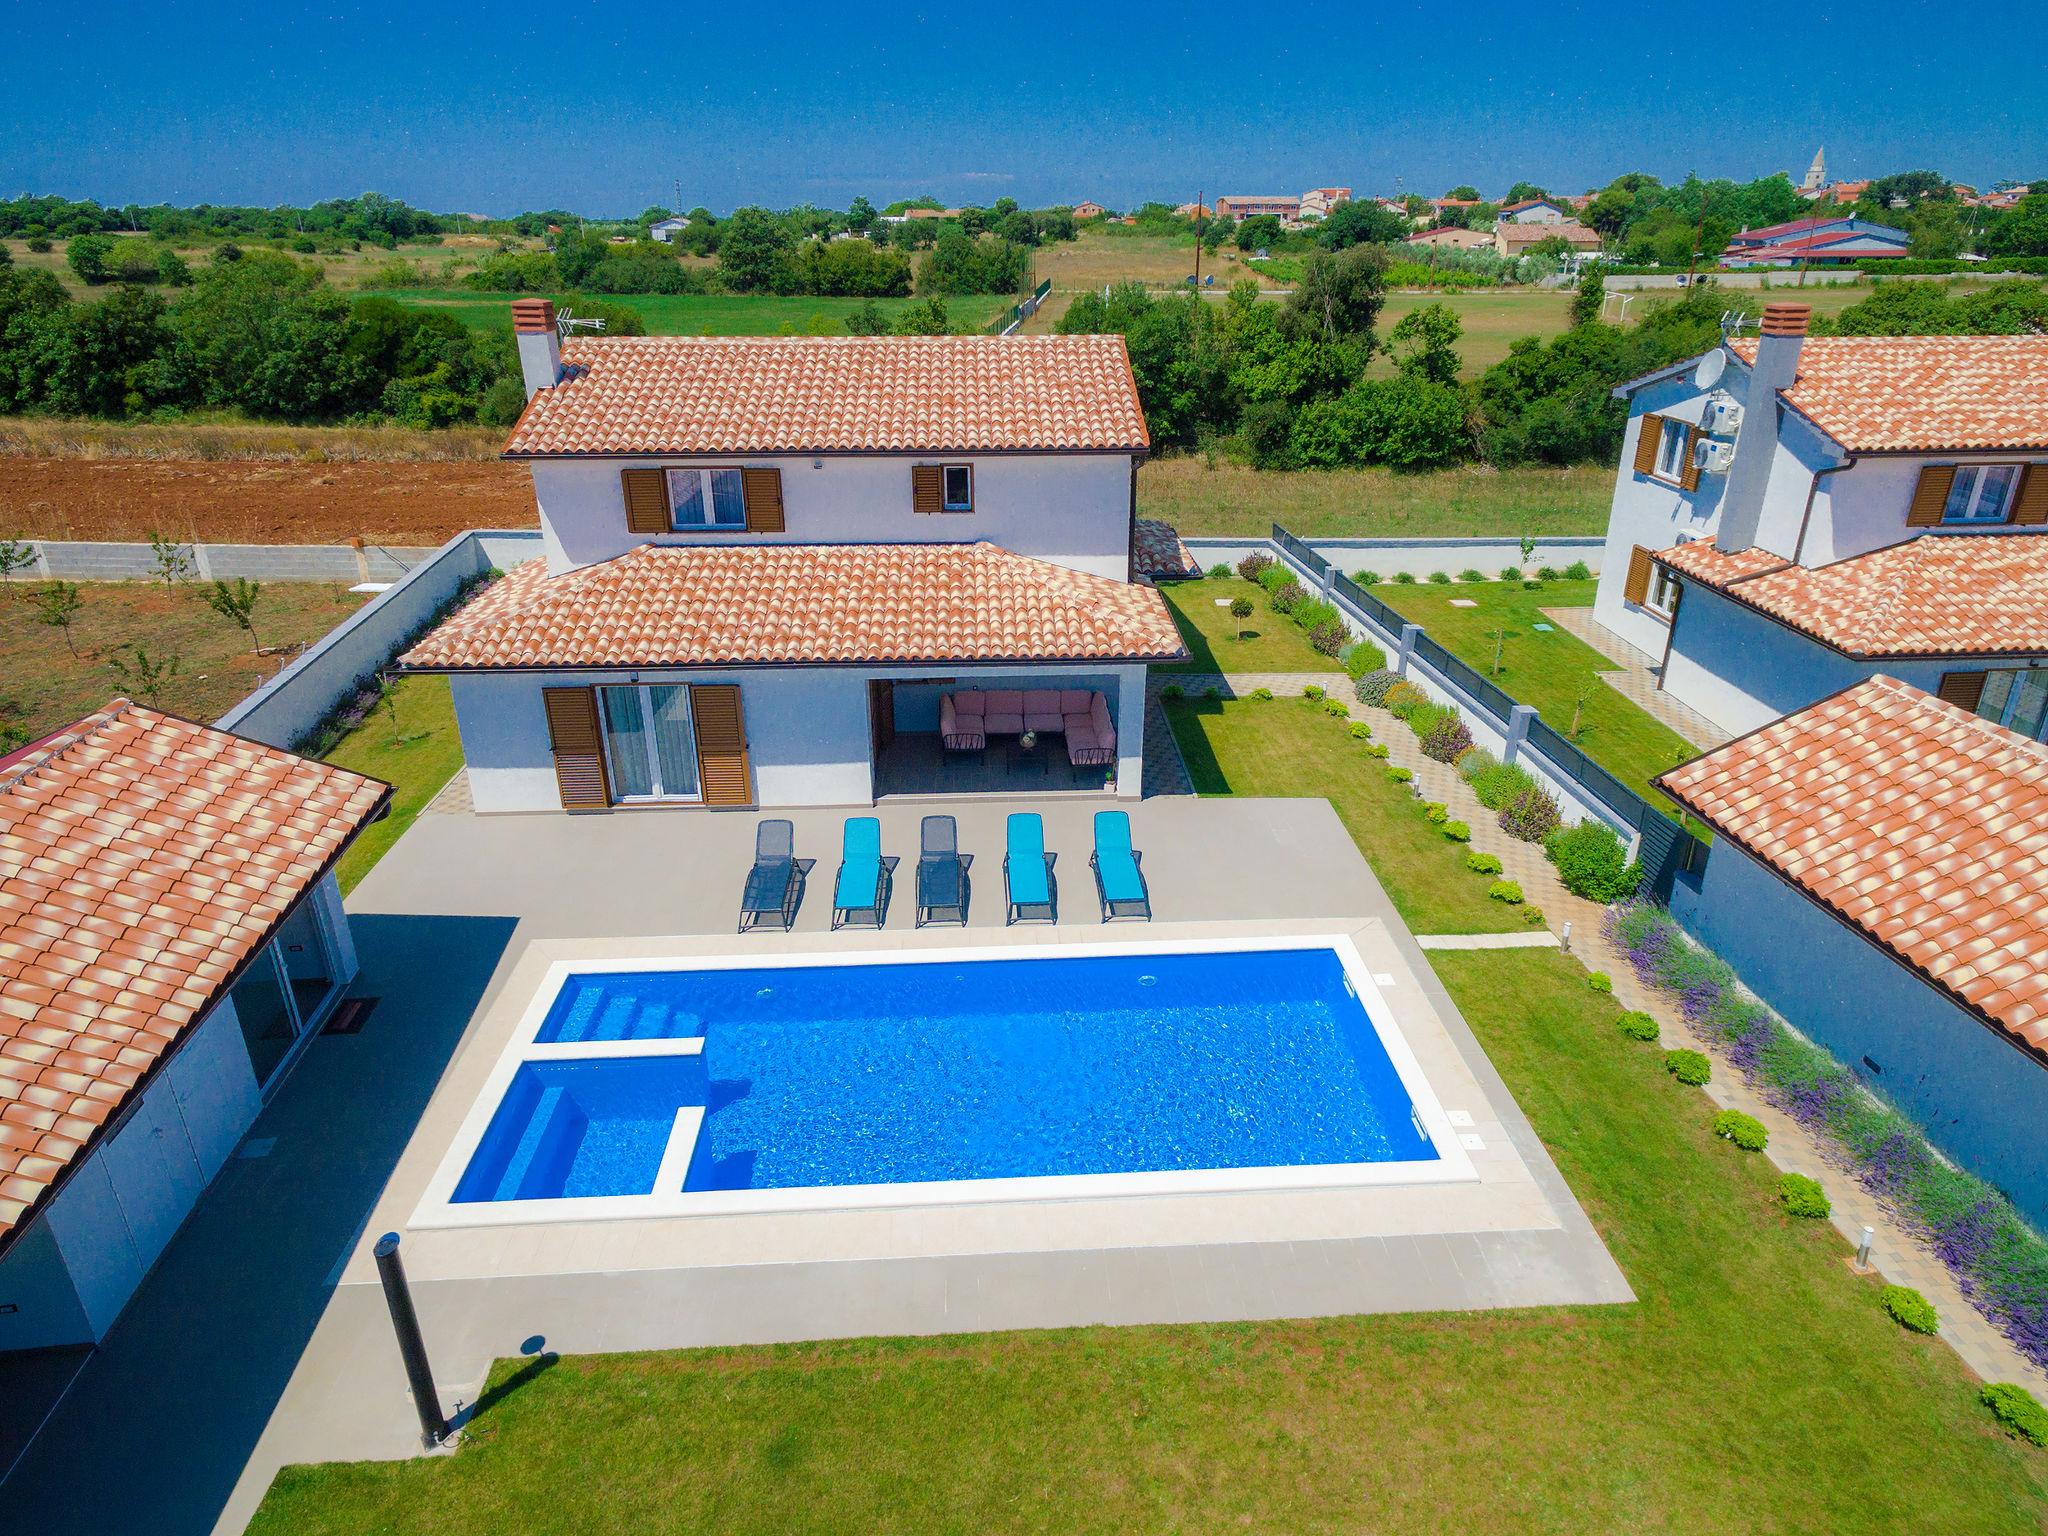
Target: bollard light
411 1347
1863 1249
1566 940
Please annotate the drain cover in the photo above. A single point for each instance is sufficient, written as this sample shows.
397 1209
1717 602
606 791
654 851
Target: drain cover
348 1019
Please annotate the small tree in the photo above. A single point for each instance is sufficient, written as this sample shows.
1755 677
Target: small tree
1528 550
1240 610
57 605
172 564
1499 636
235 601
1579 696
142 674
15 555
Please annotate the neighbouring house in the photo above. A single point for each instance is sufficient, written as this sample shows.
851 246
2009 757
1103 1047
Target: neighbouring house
770 559
1089 210
1816 242
1242 207
1317 203
1443 205
1518 239
1840 193
666 230
1880 876
1452 237
1792 515
171 937
1190 211
1536 210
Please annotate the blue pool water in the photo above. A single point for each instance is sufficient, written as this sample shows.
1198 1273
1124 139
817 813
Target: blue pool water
885 1074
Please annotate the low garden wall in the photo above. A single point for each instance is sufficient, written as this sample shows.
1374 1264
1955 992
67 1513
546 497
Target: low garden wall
85 560
1417 556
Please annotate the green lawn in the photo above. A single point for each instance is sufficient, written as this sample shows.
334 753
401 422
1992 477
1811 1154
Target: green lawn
1754 1386
417 755
700 314
1553 671
1289 747
1201 496
1269 641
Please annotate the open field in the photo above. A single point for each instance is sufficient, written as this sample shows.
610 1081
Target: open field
697 314
1096 258
344 268
1557 672
1492 322
1265 642
47 686
1473 500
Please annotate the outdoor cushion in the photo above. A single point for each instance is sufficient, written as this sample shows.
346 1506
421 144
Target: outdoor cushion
958 730
1003 725
1004 701
1074 701
1117 869
1099 713
860 870
1079 727
967 702
1042 710
1026 865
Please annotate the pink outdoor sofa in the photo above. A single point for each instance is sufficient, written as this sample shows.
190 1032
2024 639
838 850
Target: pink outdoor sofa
969 717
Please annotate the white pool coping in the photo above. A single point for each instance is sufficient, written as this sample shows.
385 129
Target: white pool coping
437 1207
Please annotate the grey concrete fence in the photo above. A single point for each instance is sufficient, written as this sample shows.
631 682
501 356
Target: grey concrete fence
1417 556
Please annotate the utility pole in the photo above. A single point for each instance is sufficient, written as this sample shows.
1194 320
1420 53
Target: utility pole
677 210
1699 237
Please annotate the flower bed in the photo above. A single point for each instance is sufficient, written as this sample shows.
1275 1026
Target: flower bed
2001 1265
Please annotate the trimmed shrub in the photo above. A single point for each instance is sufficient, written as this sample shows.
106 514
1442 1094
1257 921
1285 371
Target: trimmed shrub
1470 573
1403 699
1399 775
1336 709
1447 739
1689 1067
1360 731
1592 863
1457 831
1314 692
1531 583
1312 613
1476 762
1637 1025
1495 782
1436 815
1273 576
1372 686
1262 695
1546 573
1366 578
1404 578
1328 639
1255 565
1909 1309
1361 657
1377 749
2015 1407
1440 578
1532 916
1171 691
1578 570
1507 891
1287 596
1511 573
1804 1198
1600 982
1482 863
1531 816
1746 1131
1220 571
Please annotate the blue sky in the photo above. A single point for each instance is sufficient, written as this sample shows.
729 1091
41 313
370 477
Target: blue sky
600 105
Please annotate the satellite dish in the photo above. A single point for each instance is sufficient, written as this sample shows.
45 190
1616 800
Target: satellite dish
1710 369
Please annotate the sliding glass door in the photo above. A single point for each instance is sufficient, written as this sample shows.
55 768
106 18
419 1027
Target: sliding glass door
650 744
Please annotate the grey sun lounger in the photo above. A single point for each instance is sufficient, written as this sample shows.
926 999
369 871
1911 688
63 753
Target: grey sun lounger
775 885
942 884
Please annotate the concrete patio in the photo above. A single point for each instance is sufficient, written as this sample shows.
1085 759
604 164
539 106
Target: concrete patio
261 1338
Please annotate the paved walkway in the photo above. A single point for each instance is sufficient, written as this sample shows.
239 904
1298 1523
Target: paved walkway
1899 1255
1636 677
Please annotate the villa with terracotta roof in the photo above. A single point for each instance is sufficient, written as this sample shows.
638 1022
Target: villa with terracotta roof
171 937
1880 876
771 561
1793 515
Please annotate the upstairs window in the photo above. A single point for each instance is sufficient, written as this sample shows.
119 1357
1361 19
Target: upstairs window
707 498
1981 493
2017 700
959 480
1671 450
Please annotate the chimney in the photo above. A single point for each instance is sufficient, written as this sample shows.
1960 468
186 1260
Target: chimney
1756 440
540 347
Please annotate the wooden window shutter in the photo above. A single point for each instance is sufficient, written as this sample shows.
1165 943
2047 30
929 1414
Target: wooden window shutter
2030 505
927 488
646 500
1689 473
721 744
1638 588
1646 444
762 489
575 739
1963 689
1930 496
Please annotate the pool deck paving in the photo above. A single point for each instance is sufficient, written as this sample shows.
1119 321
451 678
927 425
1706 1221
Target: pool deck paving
262 1335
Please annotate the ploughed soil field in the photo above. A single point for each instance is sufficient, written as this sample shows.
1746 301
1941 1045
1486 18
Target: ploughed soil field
260 501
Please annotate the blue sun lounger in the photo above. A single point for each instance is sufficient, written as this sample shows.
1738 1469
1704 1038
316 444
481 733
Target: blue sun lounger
1027 871
1119 882
862 894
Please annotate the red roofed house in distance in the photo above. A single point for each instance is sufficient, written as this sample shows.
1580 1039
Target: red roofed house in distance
789 571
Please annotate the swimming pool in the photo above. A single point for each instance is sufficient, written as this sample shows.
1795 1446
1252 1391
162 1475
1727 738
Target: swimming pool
730 1085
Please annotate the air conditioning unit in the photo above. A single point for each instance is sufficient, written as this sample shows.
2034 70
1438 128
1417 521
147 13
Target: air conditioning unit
1713 455
1723 416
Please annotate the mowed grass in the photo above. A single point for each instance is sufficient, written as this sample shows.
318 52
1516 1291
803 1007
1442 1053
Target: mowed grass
1288 746
1200 496
417 752
698 314
1555 671
1754 1385
46 684
1266 642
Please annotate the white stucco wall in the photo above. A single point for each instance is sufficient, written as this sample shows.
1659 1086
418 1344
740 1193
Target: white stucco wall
1979 1098
808 736
1864 507
1071 509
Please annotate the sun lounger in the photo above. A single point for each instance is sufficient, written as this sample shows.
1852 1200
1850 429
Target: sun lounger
942 888
1119 882
862 893
1027 871
775 883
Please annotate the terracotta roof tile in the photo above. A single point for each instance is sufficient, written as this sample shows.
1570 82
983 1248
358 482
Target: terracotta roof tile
90 1003
1917 822
768 604
1157 550
1961 594
835 394
1927 393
